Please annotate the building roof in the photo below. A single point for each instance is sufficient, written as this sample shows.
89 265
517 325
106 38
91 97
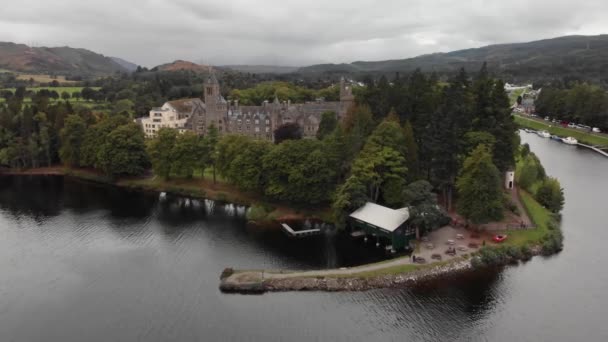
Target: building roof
184 105
382 217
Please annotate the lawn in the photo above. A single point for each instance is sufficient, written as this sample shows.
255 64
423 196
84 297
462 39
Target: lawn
538 214
584 137
514 94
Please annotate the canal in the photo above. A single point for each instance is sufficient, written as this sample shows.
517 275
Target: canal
84 262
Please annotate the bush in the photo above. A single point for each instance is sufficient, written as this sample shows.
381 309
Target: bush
514 253
551 195
257 213
553 242
526 252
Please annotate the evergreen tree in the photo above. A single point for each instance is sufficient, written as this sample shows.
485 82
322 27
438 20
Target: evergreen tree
479 188
72 137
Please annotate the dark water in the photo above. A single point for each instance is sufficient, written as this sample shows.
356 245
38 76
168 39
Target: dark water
79 262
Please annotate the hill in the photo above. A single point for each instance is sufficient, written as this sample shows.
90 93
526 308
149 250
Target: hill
57 60
261 69
125 64
179 65
570 55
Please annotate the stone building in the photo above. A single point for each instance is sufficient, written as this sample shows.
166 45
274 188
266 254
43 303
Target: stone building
230 117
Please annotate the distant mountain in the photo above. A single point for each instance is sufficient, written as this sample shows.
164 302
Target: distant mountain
57 60
579 55
125 64
183 65
261 69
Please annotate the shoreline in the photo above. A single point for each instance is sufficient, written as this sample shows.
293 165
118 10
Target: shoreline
262 281
194 188
392 273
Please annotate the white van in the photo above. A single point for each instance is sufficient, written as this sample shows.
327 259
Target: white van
596 130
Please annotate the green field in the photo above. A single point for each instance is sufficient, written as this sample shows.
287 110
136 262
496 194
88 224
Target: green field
514 94
584 137
59 90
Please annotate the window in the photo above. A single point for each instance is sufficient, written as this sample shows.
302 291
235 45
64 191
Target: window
257 122
158 114
267 129
209 91
156 120
267 122
257 129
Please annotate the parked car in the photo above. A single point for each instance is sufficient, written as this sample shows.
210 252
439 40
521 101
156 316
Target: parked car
596 130
572 125
546 118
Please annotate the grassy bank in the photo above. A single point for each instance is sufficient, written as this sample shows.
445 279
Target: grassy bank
541 218
583 137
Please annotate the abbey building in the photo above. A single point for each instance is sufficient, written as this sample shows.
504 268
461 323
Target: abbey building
229 117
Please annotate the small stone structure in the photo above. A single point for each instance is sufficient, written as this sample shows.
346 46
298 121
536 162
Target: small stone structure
510 180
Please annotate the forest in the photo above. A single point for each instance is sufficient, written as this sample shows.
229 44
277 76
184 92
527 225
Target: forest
404 140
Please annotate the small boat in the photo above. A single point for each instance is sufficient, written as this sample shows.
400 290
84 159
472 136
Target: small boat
555 137
543 134
499 238
570 141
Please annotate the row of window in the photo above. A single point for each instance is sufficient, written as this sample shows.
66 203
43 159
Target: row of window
248 128
257 122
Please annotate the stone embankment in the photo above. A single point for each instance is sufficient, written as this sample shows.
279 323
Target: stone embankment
263 281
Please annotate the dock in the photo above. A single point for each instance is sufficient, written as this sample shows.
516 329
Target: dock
594 148
299 233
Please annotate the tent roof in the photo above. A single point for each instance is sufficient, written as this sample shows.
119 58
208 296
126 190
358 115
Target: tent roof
383 217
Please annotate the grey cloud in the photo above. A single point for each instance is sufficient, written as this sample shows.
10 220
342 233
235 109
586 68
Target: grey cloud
290 32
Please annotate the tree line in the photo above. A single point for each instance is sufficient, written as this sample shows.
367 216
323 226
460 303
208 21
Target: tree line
402 140
582 103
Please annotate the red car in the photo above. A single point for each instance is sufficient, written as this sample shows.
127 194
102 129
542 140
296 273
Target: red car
499 238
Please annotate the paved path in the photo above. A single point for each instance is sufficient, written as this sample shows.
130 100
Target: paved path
437 238
523 214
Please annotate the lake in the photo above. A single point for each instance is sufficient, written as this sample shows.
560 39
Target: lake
80 261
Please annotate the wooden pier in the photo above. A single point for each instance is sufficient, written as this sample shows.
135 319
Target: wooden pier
594 148
299 233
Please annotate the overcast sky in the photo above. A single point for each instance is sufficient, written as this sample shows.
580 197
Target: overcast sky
289 32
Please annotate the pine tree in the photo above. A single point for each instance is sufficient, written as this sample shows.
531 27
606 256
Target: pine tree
479 188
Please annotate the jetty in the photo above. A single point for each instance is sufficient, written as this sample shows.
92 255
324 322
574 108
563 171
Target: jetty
597 149
299 233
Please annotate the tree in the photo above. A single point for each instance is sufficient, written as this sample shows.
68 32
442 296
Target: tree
160 150
425 213
210 143
288 131
329 121
411 150
551 195
65 95
124 152
349 197
95 137
87 93
185 155
72 136
299 171
124 106
245 170
479 188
